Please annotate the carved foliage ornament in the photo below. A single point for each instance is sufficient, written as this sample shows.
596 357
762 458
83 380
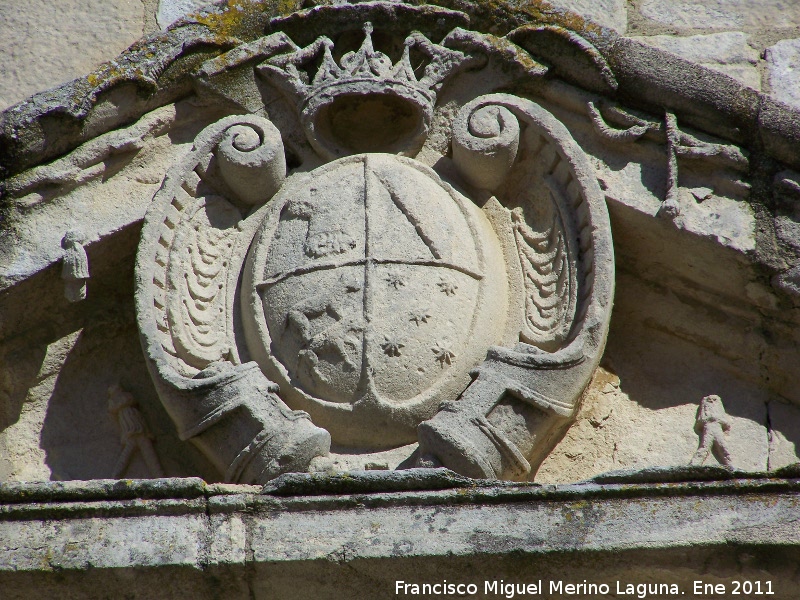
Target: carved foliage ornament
385 293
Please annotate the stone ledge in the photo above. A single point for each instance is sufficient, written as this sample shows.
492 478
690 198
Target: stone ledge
432 486
227 534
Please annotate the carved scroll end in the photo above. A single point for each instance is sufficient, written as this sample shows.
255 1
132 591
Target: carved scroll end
485 143
187 269
187 260
523 399
251 160
570 55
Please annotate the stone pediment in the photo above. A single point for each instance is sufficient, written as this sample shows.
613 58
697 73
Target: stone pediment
348 228
580 52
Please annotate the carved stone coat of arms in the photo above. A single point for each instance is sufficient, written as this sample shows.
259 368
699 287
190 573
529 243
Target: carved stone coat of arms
378 257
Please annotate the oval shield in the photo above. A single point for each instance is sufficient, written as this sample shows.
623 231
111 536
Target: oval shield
367 284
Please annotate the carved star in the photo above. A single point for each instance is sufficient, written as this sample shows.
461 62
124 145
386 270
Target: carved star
420 316
395 278
448 286
391 346
443 353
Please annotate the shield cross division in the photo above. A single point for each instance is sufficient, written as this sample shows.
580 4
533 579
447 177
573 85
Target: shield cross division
368 284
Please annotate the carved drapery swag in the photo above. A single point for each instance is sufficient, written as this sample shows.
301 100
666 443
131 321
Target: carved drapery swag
380 250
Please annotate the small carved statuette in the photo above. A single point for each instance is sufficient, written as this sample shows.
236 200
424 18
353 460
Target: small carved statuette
134 433
75 270
712 424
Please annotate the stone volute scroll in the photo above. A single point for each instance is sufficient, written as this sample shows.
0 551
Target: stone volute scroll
522 398
186 280
397 267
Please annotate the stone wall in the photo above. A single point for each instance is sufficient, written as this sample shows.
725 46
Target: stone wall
696 312
48 43
124 433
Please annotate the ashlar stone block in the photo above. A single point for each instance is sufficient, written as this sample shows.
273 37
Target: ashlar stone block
170 11
44 43
783 71
727 52
722 14
609 13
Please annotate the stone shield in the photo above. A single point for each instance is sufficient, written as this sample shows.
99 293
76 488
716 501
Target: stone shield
371 290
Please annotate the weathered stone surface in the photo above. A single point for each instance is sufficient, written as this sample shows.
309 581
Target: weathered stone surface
47 43
23 457
609 13
711 196
779 128
698 97
125 162
359 482
787 213
665 353
783 71
98 336
352 191
107 489
455 294
371 287
360 545
726 52
170 11
137 541
504 18
722 14
360 210
672 474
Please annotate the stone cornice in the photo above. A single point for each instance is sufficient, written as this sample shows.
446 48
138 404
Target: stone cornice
54 122
204 535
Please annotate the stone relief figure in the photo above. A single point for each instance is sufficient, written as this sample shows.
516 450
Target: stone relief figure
420 284
75 269
134 433
712 425
337 337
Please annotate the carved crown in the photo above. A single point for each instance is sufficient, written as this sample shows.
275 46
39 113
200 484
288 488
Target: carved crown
365 71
